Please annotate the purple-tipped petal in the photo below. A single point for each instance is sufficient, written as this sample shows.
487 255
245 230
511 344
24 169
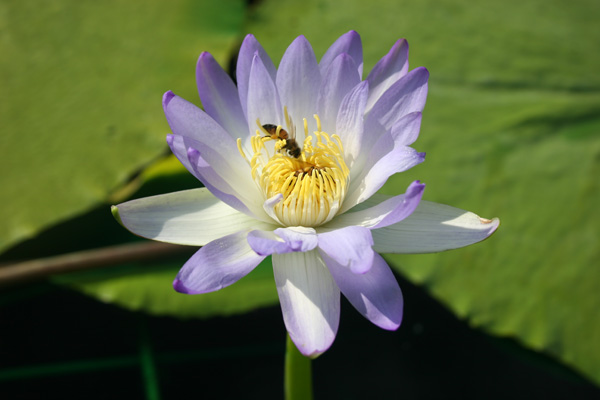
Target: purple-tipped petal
219 96
388 70
385 159
265 243
350 124
283 240
406 130
348 43
298 238
179 148
310 300
405 96
190 122
351 247
263 98
204 172
215 183
185 119
388 212
433 227
219 264
375 294
250 47
339 79
298 81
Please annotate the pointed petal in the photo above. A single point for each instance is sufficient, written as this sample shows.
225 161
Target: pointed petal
220 263
405 96
350 247
202 132
185 119
219 96
298 81
348 43
223 183
179 146
350 124
339 79
406 130
375 294
263 99
385 159
283 240
433 227
250 47
388 212
201 169
191 217
388 70
310 300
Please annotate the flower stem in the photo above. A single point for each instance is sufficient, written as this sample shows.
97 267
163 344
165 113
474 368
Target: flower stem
298 374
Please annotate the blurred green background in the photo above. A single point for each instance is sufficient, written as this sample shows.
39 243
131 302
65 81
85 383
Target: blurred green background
511 129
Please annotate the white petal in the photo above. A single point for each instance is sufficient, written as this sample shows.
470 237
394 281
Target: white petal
219 96
339 79
191 217
310 300
349 43
375 294
387 71
431 228
263 100
250 47
383 214
219 264
298 81
349 123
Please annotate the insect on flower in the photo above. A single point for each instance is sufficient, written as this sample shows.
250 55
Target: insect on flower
276 132
309 200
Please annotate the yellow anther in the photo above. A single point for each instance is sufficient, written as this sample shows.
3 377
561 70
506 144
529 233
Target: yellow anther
313 184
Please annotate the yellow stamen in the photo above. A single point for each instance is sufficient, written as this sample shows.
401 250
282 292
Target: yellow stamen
313 185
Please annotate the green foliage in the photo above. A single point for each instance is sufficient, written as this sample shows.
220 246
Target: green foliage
148 288
81 84
511 130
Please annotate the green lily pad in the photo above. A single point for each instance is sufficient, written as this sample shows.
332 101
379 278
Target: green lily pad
511 130
147 288
81 106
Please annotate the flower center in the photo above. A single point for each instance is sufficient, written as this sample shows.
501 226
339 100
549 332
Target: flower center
312 180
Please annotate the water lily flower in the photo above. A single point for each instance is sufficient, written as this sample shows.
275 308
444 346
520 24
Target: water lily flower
291 159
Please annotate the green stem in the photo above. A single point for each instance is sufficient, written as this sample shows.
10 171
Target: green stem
147 362
298 374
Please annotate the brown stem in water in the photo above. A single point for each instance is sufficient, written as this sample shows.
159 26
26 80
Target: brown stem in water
42 267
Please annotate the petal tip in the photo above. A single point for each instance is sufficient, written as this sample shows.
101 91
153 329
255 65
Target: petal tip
401 43
180 287
422 71
167 97
389 325
353 34
310 352
494 224
115 213
192 153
